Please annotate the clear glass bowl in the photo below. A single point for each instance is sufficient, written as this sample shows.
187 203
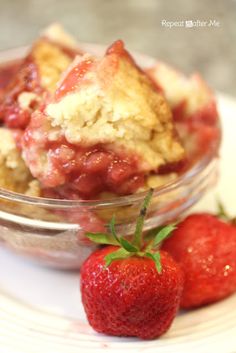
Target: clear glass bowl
51 231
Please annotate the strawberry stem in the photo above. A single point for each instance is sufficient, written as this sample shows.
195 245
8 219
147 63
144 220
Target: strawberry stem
112 228
125 248
140 221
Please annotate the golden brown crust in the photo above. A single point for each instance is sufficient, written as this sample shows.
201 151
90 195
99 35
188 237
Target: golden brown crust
14 175
50 61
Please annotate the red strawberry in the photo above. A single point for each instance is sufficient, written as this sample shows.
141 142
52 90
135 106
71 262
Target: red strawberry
129 297
205 247
130 290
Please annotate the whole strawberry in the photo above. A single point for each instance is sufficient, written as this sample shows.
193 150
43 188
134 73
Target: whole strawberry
131 291
205 247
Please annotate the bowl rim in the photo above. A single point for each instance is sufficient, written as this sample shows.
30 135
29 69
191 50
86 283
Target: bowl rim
16 53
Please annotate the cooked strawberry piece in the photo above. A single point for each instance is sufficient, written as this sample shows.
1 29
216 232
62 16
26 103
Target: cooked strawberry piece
131 185
88 184
97 161
119 172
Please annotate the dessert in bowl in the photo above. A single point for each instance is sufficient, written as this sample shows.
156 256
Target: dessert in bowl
91 132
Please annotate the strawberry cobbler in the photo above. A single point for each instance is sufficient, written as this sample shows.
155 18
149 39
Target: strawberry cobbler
88 127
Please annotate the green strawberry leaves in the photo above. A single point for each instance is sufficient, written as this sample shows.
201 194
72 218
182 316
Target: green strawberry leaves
163 233
112 228
102 238
112 239
135 246
127 245
223 214
156 257
221 211
141 218
116 255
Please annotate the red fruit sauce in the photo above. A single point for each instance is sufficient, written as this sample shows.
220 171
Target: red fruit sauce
7 71
26 80
206 115
86 172
73 79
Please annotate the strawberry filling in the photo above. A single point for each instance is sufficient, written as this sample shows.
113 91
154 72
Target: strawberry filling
206 115
86 172
26 80
73 79
76 171
7 71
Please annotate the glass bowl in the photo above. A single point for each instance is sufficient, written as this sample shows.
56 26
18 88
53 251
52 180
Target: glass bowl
52 231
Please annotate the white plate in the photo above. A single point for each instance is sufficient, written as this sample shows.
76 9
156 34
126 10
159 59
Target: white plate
41 310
